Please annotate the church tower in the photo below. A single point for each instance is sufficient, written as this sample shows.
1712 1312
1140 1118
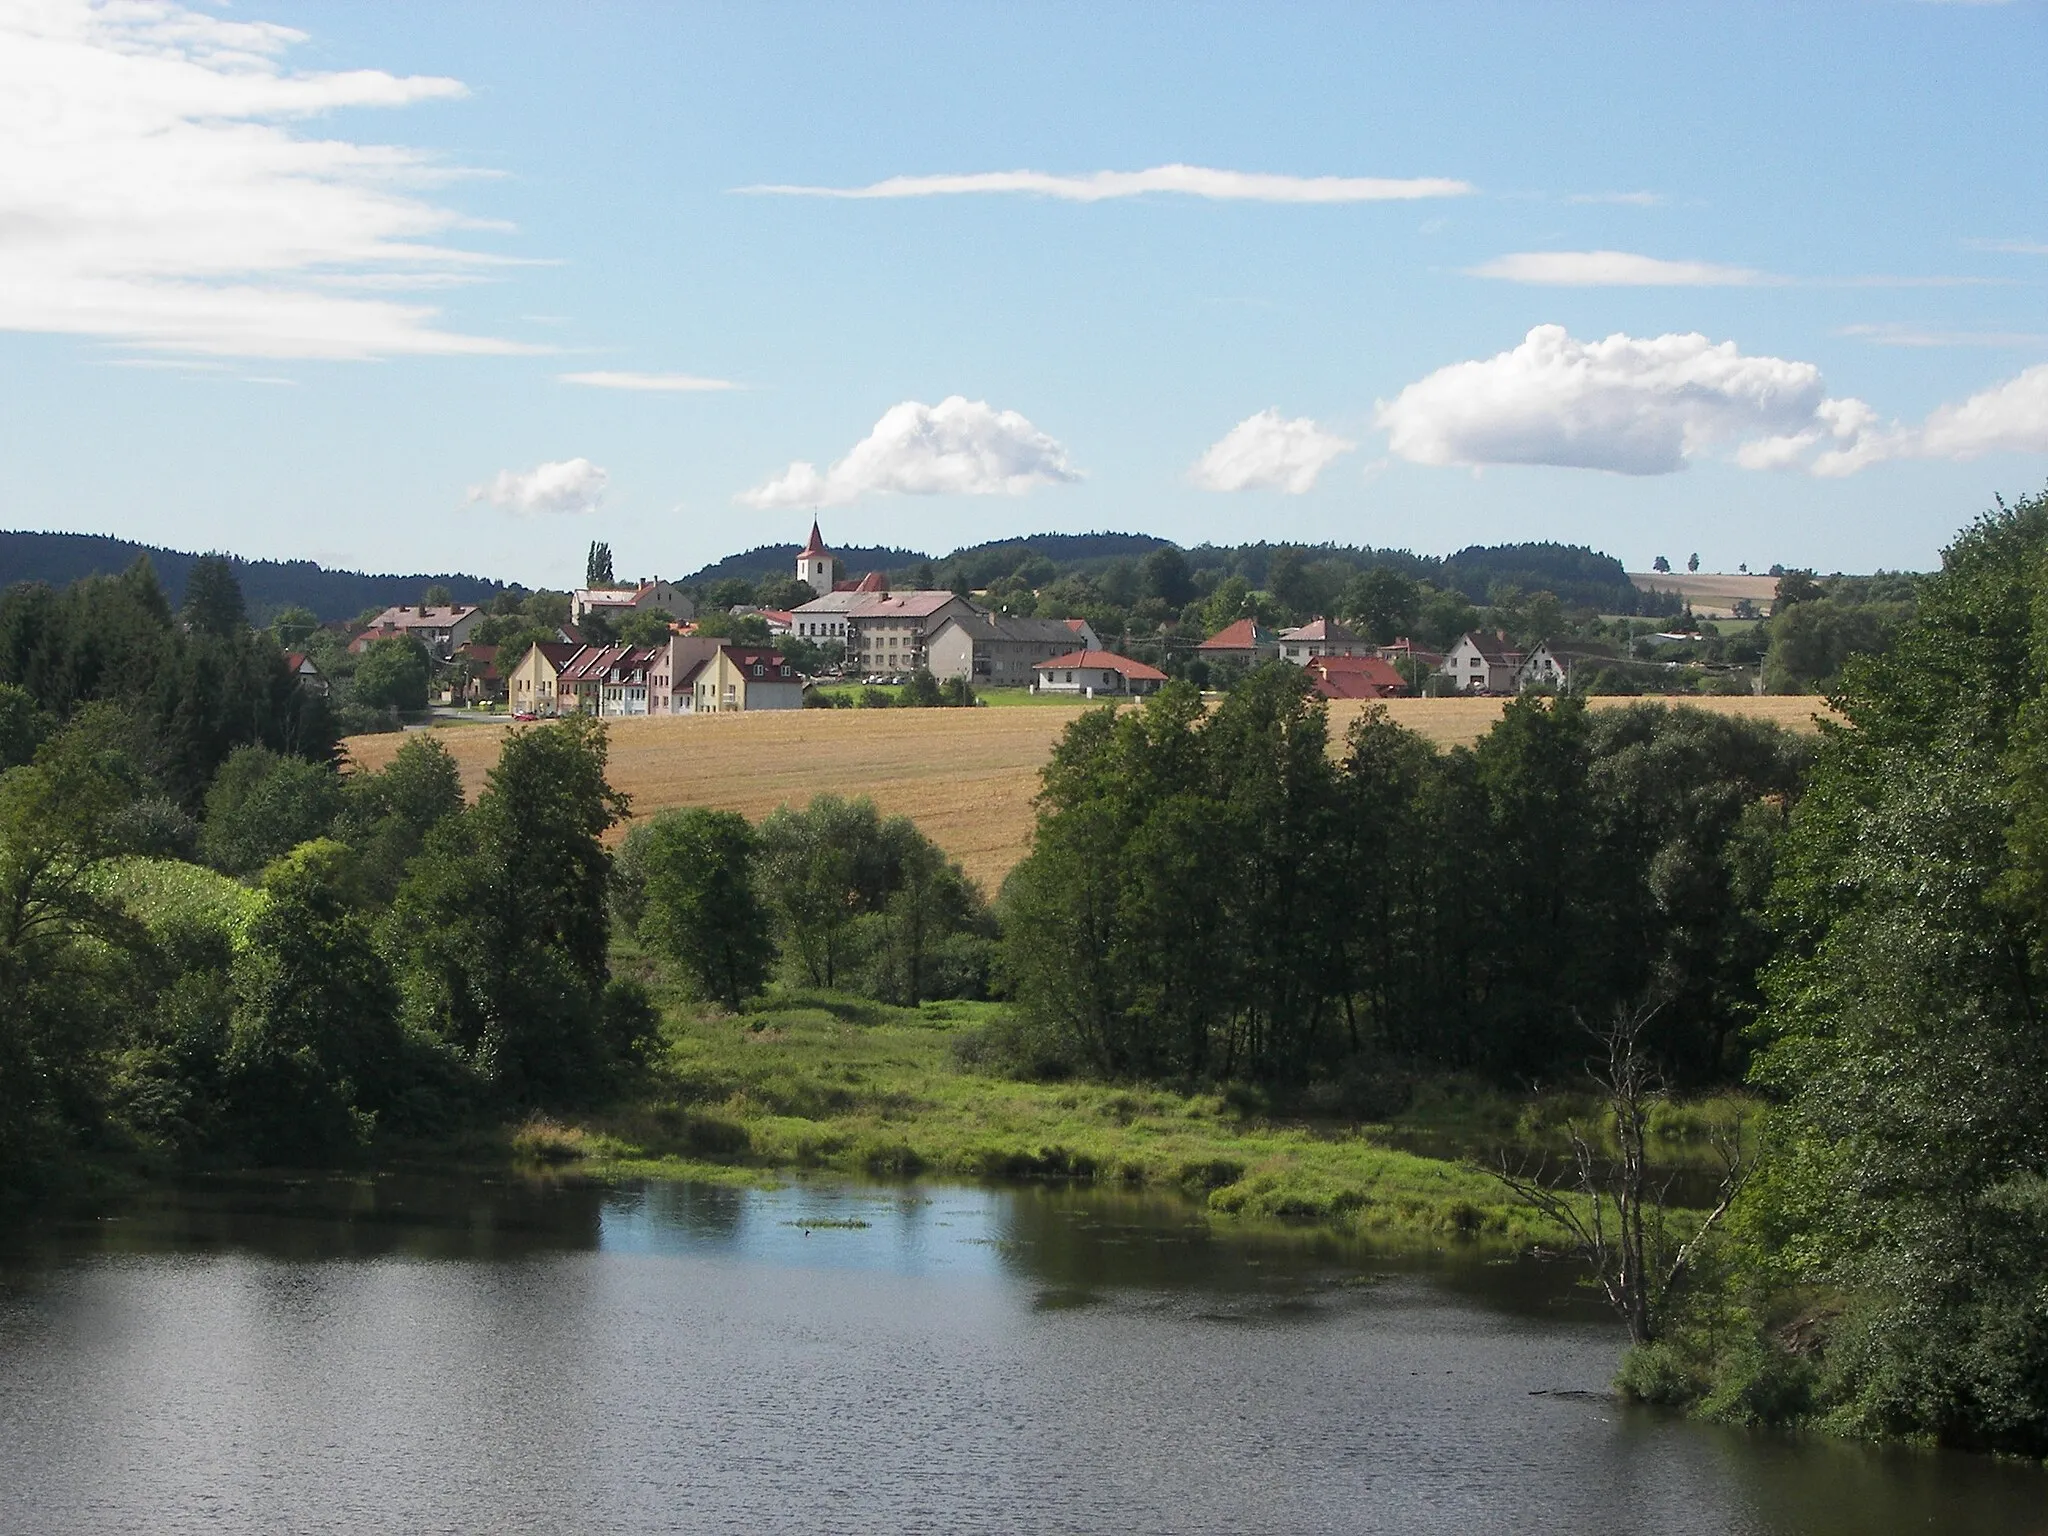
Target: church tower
815 563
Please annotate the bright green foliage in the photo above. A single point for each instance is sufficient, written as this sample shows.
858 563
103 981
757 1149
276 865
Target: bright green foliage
393 675
499 931
261 806
701 909
1910 1168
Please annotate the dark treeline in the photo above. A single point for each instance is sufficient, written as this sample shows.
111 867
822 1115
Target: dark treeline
1211 895
173 691
268 585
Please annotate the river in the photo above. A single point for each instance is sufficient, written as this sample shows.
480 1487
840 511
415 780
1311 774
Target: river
438 1353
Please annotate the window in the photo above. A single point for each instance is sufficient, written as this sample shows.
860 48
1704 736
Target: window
759 670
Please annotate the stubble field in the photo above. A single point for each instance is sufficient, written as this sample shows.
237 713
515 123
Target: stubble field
966 776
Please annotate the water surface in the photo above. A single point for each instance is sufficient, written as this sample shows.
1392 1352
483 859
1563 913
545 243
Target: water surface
459 1354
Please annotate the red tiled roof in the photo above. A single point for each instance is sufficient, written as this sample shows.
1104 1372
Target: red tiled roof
1355 677
1104 661
816 546
1244 635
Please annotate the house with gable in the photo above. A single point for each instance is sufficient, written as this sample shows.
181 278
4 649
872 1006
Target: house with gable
1482 663
993 650
1096 673
1247 640
1321 637
746 677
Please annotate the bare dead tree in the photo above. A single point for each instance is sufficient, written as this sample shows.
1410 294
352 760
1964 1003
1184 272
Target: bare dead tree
1619 1219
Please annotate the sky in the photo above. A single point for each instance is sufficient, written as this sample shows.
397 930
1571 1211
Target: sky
467 286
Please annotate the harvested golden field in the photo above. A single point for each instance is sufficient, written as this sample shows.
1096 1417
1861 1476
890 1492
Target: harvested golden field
1713 594
965 776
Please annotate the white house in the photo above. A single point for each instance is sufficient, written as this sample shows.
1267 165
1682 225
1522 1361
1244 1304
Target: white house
1094 673
1481 664
617 602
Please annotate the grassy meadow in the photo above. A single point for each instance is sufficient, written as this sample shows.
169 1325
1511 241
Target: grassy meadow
965 776
827 1082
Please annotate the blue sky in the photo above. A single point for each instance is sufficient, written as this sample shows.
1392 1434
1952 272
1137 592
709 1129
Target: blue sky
387 286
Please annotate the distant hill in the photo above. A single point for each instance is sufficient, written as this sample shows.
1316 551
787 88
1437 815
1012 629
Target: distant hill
1573 573
267 585
1070 552
780 560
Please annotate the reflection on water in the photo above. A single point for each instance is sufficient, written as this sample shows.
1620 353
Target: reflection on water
441 1353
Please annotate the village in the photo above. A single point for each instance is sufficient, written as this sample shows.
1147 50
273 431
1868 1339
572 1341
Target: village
642 649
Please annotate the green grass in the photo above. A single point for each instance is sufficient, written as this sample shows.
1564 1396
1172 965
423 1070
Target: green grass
829 1082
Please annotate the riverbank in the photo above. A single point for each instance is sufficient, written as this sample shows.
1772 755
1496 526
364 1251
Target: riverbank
827 1082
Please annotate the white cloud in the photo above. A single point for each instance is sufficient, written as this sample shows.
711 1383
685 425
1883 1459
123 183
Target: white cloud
1188 180
2011 417
682 383
564 485
1615 269
1646 406
1269 452
1637 406
154 190
958 447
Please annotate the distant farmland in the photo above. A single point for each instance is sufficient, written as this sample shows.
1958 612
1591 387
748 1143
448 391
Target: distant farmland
965 776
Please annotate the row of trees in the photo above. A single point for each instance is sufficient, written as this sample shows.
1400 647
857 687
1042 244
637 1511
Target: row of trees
1210 895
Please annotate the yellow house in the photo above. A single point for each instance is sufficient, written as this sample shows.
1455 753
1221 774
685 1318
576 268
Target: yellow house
743 677
533 688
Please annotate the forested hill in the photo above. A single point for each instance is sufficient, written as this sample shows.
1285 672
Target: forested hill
1576 575
1571 572
267 585
778 560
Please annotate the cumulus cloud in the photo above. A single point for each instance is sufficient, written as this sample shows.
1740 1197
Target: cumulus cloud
1638 406
1187 180
1648 405
1615 269
156 190
958 447
2009 417
681 383
564 485
1269 452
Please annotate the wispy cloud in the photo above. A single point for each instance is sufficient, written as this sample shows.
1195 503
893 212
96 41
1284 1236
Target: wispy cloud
155 190
1616 269
1269 451
1630 199
2011 247
958 447
1893 335
667 383
1185 180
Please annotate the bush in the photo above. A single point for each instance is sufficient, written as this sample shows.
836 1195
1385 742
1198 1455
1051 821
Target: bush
1662 1374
